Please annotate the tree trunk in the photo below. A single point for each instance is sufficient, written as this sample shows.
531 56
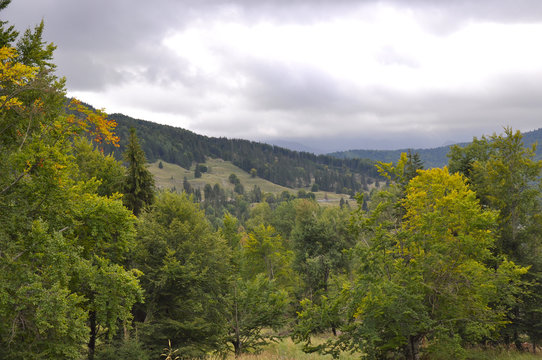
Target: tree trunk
237 342
237 348
93 330
517 342
413 347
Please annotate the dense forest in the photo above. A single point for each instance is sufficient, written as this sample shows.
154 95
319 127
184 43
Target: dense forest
278 165
95 263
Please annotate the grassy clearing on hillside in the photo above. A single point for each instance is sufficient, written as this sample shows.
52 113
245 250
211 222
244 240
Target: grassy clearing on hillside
171 176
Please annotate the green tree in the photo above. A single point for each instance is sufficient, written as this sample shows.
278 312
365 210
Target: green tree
283 218
413 164
265 252
506 177
186 276
47 245
257 304
234 179
319 238
45 311
92 163
8 34
255 194
239 189
139 182
435 280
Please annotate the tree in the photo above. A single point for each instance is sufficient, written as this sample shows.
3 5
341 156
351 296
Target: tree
265 252
47 245
186 276
319 238
186 186
258 306
92 163
139 182
239 189
506 178
46 313
256 194
435 280
413 164
256 301
7 35
234 179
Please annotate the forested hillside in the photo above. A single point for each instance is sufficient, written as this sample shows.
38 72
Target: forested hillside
435 157
278 165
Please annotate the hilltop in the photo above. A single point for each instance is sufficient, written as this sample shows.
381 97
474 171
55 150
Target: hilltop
435 157
287 168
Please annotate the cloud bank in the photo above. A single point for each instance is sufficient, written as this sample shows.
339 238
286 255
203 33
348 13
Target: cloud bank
330 74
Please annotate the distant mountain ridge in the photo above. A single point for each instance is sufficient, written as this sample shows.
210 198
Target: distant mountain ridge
435 157
281 166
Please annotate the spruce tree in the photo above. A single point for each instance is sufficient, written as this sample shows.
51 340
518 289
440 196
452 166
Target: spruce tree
139 182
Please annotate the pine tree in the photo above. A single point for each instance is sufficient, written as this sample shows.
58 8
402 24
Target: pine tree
139 183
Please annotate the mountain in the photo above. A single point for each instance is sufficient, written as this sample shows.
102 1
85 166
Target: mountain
435 157
279 165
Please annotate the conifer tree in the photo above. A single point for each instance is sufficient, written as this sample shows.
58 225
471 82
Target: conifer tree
139 183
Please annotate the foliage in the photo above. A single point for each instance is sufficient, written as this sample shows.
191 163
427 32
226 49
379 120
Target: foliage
39 315
259 306
258 302
186 277
264 251
92 163
139 183
507 178
57 285
319 238
428 280
130 349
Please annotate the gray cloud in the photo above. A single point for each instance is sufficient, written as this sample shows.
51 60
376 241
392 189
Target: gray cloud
105 45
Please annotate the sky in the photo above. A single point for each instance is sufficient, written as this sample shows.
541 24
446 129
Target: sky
327 75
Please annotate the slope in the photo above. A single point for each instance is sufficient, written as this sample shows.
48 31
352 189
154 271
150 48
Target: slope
280 166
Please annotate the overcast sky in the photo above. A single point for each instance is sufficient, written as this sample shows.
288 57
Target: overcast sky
329 74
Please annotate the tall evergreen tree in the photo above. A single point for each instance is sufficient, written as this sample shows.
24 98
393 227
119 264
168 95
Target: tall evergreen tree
186 277
139 183
8 34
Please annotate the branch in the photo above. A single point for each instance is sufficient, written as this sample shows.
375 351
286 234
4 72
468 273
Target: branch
13 183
